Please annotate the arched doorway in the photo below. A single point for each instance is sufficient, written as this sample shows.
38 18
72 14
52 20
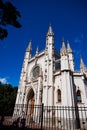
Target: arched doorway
30 102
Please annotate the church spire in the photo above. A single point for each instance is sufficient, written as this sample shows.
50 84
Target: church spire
36 50
82 65
64 57
70 56
29 48
50 38
69 50
63 49
50 31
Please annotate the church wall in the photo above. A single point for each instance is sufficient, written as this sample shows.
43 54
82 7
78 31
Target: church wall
86 90
64 83
80 85
45 95
71 63
41 62
31 65
57 85
64 63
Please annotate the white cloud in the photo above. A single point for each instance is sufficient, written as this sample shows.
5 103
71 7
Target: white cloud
3 80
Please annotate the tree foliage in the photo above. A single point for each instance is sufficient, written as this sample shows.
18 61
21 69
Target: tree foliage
7 99
8 16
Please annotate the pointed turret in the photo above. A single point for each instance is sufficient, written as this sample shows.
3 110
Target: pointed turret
29 48
37 51
50 31
63 50
50 39
69 50
70 56
64 57
82 65
25 63
36 56
49 62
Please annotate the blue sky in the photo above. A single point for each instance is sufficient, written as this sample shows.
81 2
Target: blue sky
68 19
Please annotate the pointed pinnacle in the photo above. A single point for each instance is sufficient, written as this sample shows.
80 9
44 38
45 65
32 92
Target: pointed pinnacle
37 50
29 48
68 47
82 65
50 31
63 49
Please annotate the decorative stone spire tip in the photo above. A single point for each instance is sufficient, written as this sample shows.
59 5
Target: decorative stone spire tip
29 48
50 31
37 50
68 47
63 49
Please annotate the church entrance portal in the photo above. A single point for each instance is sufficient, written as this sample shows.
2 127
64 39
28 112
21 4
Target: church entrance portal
31 101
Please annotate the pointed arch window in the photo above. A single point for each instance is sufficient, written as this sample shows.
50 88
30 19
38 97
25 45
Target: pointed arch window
59 95
79 96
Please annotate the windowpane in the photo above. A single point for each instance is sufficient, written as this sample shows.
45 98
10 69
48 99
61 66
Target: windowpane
78 96
59 95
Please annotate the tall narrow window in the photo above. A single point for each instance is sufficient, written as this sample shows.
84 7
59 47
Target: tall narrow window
78 96
59 95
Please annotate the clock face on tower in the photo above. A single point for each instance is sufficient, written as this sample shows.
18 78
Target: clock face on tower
36 72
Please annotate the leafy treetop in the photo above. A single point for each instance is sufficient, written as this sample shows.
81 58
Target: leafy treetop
8 16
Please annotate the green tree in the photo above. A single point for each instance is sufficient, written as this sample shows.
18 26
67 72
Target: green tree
8 16
7 99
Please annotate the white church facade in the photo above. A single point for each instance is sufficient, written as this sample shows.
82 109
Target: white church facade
50 77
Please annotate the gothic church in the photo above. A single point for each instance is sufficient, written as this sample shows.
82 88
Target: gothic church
50 77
